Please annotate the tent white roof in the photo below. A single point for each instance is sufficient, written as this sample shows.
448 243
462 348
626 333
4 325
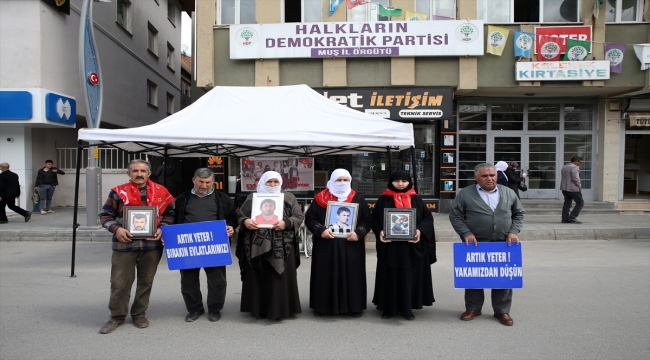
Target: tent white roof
248 121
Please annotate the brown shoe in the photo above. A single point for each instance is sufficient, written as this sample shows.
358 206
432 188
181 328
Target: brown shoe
141 322
470 315
505 319
109 327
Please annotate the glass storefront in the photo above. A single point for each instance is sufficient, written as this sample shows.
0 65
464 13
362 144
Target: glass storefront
541 136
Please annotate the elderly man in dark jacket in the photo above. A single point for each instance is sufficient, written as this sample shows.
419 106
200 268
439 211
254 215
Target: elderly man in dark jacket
9 191
204 203
487 212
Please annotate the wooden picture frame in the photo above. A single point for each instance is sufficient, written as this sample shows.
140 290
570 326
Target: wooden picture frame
399 224
261 211
140 221
338 222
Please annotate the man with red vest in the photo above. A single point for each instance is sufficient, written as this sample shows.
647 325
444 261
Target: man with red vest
131 256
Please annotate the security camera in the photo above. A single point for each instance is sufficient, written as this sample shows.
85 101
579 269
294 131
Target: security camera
10 139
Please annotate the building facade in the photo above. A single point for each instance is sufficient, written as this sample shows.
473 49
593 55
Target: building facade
139 46
500 107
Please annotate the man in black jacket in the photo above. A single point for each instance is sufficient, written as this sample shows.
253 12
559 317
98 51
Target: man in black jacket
9 191
46 182
203 203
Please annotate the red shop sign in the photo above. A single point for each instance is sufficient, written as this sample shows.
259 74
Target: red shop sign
542 34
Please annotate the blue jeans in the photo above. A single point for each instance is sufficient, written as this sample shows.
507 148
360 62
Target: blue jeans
45 192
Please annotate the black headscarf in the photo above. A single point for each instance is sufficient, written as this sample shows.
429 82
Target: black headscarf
400 175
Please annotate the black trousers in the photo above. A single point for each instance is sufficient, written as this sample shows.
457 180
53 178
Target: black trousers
501 298
191 288
569 197
11 204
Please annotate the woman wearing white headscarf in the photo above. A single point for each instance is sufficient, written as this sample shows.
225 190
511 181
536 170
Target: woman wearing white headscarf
338 265
501 167
268 258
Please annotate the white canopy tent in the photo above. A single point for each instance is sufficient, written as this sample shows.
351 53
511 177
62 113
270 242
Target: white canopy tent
254 121
248 121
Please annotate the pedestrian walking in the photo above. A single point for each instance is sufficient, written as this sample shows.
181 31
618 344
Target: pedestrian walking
9 192
134 256
482 213
46 183
514 180
204 203
571 189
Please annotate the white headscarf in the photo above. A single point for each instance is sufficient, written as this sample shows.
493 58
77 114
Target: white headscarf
501 165
261 185
340 189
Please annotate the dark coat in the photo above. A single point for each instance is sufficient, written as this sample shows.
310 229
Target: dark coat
224 203
9 185
513 179
55 180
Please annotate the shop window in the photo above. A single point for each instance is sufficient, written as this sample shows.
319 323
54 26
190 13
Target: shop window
303 11
472 150
235 12
124 14
543 117
623 11
578 117
507 117
472 117
580 145
527 11
437 9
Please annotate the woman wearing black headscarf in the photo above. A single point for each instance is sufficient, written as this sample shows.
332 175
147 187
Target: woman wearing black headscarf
403 280
513 179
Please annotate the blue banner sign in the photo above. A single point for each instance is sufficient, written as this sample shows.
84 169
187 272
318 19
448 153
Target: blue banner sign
196 245
490 265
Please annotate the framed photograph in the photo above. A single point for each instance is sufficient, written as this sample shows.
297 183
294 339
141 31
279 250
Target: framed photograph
140 221
448 157
341 218
267 209
448 185
448 140
399 224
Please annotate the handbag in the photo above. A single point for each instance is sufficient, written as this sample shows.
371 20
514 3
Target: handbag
36 198
522 186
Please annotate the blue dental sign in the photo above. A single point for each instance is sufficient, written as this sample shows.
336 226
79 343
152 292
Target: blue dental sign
196 245
490 265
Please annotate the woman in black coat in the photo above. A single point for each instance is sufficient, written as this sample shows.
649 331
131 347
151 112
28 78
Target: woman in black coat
338 264
513 179
403 281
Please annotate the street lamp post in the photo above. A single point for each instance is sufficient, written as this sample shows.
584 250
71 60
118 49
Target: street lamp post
91 89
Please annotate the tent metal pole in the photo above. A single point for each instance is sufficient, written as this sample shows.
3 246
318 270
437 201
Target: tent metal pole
164 182
390 168
76 208
414 167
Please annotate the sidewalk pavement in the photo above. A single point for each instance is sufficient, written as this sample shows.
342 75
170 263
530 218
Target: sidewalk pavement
58 227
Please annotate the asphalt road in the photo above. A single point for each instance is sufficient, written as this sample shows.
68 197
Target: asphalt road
581 300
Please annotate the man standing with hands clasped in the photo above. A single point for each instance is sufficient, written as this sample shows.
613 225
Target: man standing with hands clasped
487 212
204 203
134 255
570 185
